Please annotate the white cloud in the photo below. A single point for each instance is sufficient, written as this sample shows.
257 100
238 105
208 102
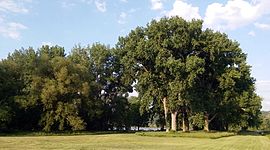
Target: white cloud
252 33
8 28
101 5
11 30
122 18
124 1
87 1
235 13
66 4
156 5
262 26
184 10
47 43
12 6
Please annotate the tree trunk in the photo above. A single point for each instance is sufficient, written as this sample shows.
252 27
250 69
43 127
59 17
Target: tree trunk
206 122
167 124
174 118
185 122
162 127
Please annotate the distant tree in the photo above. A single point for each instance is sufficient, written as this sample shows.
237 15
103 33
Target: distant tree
138 118
265 118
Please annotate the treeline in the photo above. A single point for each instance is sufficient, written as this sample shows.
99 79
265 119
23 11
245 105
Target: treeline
185 77
265 125
46 89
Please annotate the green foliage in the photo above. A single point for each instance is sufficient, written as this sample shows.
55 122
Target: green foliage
139 119
265 118
71 92
197 121
174 65
196 70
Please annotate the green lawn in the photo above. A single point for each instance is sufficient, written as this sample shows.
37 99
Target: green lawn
191 134
132 141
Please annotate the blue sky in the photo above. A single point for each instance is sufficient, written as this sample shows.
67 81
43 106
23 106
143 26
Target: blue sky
25 23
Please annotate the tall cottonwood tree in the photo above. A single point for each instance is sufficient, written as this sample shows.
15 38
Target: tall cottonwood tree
188 68
226 78
159 59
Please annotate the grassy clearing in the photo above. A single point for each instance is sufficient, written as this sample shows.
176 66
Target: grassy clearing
197 134
132 141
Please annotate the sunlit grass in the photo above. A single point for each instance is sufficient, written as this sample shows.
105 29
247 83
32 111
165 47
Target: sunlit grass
132 141
195 134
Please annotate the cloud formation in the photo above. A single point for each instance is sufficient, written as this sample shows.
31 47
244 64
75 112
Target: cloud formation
124 1
11 30
252 33
230 15
156 5
47 43
184 10
101 5
262 26
235 13
7 7
122 18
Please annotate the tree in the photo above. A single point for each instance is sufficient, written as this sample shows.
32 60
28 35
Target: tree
6 92
157 57
138 118
226 79
51 88
111 88
19 66
265 117
188 69
178 68
91 108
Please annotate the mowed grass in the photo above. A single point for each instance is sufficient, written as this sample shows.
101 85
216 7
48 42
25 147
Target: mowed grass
132 141
192 134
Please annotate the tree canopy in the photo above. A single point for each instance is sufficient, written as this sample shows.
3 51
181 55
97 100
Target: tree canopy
198 71
198 76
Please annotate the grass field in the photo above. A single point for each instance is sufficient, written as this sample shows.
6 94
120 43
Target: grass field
191 134
132 141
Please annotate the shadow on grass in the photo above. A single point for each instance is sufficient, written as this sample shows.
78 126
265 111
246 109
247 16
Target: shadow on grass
62 133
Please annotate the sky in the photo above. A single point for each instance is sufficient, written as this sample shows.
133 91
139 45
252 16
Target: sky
25 23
